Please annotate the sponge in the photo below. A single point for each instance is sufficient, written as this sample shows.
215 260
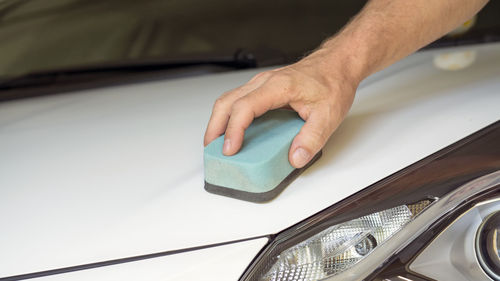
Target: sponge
260 170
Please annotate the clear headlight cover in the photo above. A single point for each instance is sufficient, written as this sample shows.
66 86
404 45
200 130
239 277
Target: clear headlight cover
339 247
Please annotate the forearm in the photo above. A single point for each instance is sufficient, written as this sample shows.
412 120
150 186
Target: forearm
321 86
386 31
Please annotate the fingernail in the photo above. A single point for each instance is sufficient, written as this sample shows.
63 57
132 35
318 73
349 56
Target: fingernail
227 146
301 157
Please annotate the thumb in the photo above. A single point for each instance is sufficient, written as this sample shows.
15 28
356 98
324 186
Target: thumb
310 139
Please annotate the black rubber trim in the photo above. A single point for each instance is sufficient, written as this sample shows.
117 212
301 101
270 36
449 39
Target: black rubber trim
122 260
260 197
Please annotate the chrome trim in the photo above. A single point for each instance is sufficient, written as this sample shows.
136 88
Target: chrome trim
419 225
452 253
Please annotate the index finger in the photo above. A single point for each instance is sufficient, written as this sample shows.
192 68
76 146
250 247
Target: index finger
222 107
247 108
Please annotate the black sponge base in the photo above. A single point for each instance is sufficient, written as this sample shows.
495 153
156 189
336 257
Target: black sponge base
260 197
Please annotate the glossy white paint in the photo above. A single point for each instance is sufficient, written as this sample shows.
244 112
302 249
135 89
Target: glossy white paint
223 263
117 172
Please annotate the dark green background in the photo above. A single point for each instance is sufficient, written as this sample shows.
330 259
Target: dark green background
49 34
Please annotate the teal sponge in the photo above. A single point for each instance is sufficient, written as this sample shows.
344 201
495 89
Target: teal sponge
260 170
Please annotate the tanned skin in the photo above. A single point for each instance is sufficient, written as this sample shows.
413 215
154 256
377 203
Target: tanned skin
321 86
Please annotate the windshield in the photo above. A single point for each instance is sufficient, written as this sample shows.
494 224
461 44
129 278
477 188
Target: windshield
41 35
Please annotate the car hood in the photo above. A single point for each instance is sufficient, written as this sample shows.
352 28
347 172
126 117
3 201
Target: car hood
117 172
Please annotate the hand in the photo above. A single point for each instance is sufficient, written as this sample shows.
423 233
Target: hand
315 87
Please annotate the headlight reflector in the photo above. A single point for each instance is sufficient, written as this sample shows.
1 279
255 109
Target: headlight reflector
339 247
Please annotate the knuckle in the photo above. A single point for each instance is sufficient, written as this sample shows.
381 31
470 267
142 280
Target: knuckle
316 146
231 128
240 105
281 78
318 137
261 76
220 103
283 85
235 128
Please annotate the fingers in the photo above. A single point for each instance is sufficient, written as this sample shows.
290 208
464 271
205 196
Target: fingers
311 138
220 114
218 120
320 103
222 108
247 108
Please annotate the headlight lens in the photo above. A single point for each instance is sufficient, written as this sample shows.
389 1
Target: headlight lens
488 245
375 234
339 247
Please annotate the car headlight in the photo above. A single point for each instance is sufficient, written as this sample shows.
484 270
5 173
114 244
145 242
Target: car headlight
377 233
488 245
341 246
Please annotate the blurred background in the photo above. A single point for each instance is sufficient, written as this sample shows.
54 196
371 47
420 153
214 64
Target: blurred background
46 35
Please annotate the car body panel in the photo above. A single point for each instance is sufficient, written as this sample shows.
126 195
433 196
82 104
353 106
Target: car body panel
222 263
118 172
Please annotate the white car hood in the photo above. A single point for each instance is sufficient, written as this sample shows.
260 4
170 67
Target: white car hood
118 172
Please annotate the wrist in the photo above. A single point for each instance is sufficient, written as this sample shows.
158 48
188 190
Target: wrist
350 56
